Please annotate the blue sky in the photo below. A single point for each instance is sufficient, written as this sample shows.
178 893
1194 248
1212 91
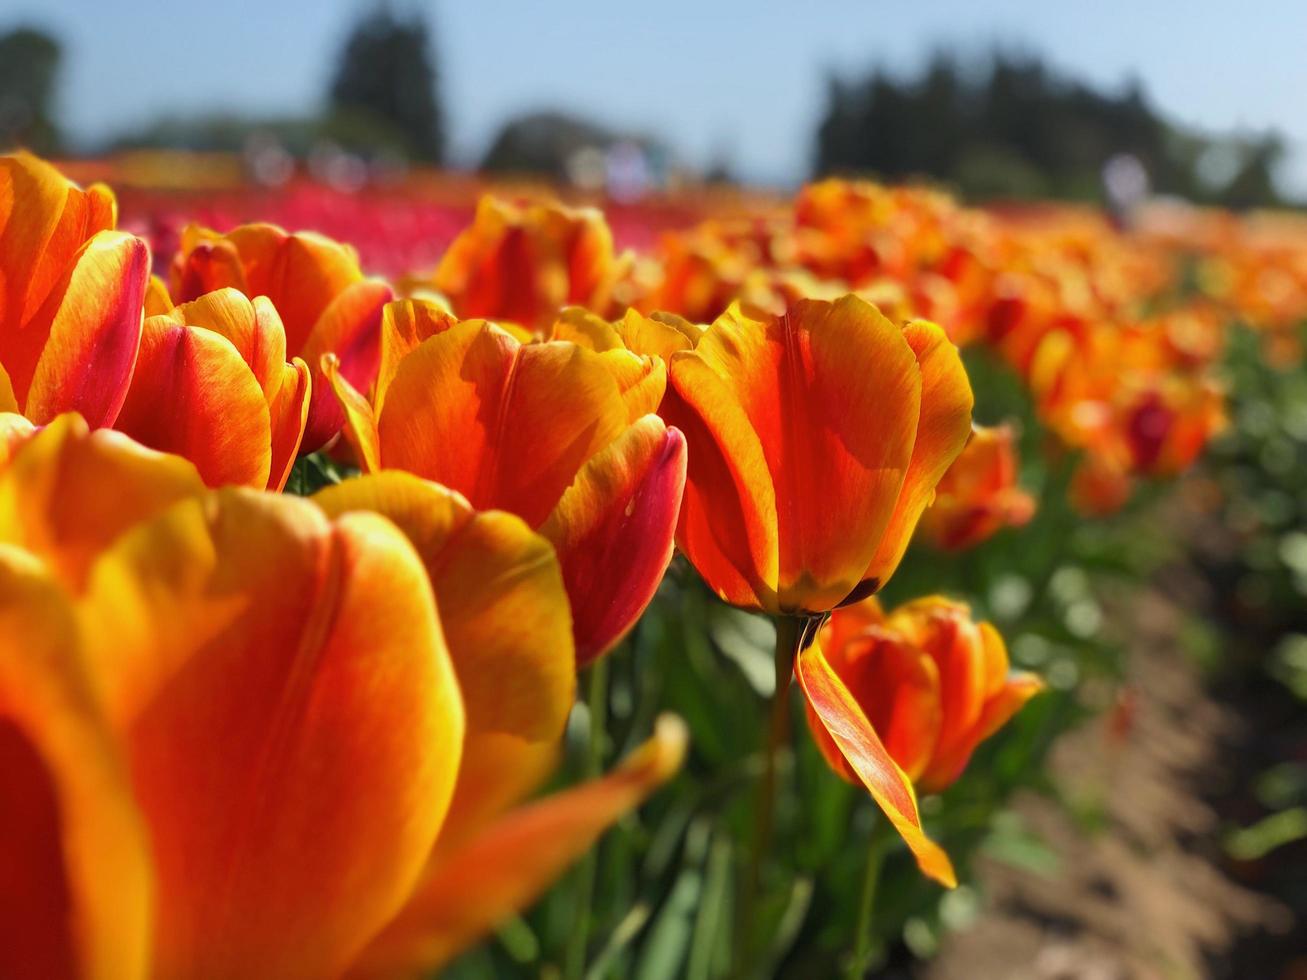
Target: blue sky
739 79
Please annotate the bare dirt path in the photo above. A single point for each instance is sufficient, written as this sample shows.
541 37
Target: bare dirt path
1143 890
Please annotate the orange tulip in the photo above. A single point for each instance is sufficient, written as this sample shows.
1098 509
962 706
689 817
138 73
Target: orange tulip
278 689
815 439
212 384
978 495
1166 427
71 294
1100 484
558 434
700 272
932 683
247 734
502 604
906 698
524 264
658 335
315 284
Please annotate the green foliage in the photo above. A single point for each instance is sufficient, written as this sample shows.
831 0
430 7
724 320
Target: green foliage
312 473
669 879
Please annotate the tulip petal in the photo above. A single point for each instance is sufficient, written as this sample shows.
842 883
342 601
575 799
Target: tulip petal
513 860
15 430
405 323
157 300
838 712
301 273
1019 688
288 414
1003 695
75 875
660 335
194 395
32 196
252 326
205 261
8 403
44 220
580 326
293 723
945 425
613 530
501 599
642 380
832 393
504 424
360 425
350 328
53 501
880 664
88 333
728 512
497 771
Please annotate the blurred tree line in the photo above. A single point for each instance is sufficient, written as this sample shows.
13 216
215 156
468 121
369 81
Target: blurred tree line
1009 128
1017 128
29 68
383 99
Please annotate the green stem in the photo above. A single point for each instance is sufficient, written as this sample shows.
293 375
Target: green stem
876 850
789 634
597 702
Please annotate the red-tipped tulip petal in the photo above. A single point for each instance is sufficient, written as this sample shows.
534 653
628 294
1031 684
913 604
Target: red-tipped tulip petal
194 395
350 328
614 529
78 351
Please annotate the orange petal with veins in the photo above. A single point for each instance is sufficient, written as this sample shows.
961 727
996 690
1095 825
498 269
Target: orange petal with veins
194 395
846 724
75 867
293 724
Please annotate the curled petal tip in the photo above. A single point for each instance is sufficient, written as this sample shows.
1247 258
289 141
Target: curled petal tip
614 529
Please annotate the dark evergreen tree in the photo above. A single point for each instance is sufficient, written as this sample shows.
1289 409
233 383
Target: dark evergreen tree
387 78
29 66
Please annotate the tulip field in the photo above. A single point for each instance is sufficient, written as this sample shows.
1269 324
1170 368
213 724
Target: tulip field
443 579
